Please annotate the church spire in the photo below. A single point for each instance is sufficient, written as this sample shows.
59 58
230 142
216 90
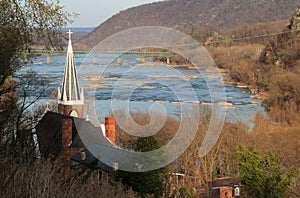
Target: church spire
70 94
70 89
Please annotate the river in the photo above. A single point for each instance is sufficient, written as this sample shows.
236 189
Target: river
148 84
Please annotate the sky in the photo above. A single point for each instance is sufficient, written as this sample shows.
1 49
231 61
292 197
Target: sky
94 12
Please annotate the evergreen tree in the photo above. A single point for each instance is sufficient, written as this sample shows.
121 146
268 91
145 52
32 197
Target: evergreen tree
145 183
263 176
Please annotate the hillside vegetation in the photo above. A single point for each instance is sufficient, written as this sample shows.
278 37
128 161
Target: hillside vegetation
190 15
272 68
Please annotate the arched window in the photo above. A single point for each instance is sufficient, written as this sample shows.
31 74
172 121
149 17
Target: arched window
74 113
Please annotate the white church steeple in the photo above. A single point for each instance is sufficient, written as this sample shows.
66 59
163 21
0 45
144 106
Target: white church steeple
70 97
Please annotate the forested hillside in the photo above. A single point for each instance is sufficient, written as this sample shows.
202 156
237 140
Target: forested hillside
188 15
273 68
280 68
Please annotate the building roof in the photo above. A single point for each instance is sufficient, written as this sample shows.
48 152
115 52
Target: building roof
224 182
49 133
90 160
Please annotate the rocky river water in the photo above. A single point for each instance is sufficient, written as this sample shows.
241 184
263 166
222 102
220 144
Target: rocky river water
142 85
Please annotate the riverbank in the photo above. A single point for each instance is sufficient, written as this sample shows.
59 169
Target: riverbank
240 63
256 92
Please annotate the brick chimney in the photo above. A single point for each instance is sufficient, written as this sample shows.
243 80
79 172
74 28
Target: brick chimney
110 129
66 133
226 192
66 141
222 192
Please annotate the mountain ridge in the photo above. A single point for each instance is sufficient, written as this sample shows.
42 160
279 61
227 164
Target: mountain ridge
186 15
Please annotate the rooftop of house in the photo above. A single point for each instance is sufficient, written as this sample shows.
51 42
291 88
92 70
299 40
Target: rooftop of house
224 182
87 158
49 133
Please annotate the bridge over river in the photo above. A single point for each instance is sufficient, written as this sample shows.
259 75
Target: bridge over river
143 55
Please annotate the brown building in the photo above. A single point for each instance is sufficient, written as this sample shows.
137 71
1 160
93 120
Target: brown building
225 187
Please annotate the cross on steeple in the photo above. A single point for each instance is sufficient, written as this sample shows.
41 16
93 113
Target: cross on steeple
70 33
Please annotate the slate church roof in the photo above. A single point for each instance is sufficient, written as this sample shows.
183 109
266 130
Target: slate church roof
89 160
49 133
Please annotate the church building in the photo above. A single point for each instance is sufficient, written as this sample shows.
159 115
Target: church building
58 132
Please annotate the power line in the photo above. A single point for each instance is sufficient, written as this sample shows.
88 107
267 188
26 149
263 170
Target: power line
225 40
234 39
257 36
